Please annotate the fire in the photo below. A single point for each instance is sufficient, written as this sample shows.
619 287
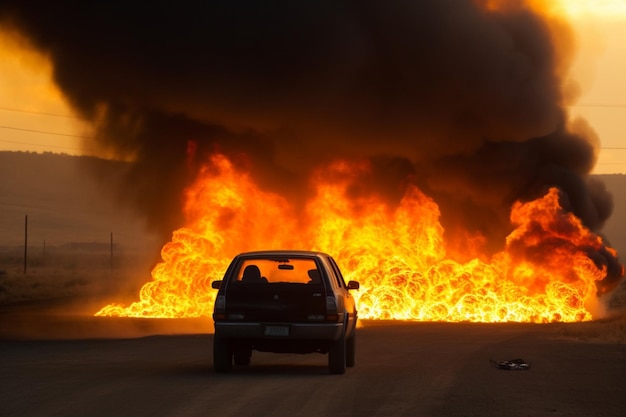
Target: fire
398 254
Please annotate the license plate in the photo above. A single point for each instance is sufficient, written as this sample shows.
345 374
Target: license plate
276 331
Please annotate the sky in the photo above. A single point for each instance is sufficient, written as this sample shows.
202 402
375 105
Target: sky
34 116
600 70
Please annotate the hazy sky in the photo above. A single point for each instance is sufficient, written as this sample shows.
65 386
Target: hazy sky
35 117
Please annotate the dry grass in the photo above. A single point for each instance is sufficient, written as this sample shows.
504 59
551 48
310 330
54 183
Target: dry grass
610 330
48 283
71 274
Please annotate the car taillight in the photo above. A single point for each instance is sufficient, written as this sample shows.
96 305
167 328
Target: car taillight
219 309
331 308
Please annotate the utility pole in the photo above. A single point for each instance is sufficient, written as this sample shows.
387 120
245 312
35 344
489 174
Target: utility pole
25 242
111 251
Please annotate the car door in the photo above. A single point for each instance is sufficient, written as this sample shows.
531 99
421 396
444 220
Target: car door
348 302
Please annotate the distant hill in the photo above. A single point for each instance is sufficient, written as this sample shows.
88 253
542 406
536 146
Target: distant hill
62 202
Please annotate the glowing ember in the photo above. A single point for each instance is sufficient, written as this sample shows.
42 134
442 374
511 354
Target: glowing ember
397 253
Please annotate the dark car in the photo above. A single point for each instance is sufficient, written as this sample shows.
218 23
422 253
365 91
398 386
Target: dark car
284 302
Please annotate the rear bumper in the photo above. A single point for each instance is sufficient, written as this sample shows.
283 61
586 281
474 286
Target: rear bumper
297 331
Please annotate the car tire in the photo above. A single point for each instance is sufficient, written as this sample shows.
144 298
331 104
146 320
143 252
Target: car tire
351 350
242 356
337 355
222 355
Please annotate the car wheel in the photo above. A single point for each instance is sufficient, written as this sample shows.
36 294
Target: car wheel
351 350
337 355
242 356
222 354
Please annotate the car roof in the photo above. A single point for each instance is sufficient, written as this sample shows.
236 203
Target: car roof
298 253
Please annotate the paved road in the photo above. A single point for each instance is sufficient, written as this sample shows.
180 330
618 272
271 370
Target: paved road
424 369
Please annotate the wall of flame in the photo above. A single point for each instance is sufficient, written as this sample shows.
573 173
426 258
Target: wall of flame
546 272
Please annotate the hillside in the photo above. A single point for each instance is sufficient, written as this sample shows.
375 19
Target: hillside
62 202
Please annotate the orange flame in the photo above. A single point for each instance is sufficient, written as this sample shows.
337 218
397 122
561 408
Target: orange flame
398 254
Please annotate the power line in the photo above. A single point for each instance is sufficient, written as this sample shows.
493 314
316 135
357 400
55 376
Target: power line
45 132
67 116
600 105
42 145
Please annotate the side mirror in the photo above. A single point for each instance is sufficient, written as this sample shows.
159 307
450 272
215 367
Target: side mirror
216 284
353 285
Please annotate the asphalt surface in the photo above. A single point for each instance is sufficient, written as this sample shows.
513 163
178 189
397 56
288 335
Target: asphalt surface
419 369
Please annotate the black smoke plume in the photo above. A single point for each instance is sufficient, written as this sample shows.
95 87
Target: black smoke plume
463 100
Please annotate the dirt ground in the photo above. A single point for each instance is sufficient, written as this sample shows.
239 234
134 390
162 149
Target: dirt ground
76 366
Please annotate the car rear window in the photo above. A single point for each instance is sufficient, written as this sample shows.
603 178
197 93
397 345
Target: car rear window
283 269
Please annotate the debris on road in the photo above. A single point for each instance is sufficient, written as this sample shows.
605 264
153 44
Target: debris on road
511 365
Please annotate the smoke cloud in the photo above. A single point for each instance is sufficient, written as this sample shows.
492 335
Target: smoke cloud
464 100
